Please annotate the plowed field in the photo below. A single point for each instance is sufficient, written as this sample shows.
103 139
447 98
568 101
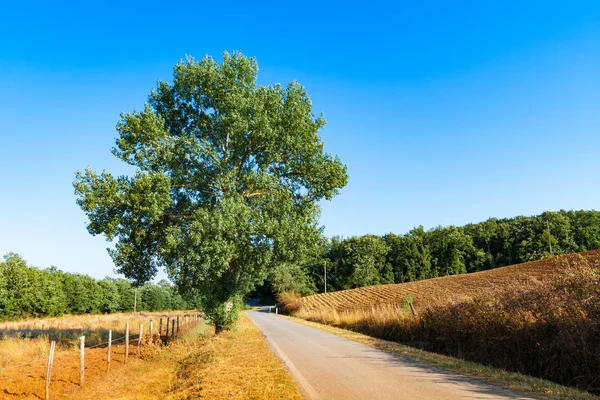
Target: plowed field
442 290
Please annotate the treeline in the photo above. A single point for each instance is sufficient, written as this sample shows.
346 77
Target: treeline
26 291
423 254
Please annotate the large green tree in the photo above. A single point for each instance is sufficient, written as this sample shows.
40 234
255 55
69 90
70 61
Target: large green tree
228 179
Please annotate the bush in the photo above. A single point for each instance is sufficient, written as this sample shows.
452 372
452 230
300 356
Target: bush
289 302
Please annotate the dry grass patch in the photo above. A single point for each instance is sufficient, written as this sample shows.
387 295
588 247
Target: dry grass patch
199 365
234 365
29 340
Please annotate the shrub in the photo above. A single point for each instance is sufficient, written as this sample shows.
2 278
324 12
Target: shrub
289 302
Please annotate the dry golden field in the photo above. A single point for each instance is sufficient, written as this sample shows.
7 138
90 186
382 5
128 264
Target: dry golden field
24 348
25 340
235 364
440 291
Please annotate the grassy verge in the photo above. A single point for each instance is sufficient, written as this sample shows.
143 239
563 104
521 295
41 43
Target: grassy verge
232 365
534 387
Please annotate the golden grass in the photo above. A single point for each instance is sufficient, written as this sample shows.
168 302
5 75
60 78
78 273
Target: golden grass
27 340
84 322
15 351
233 365
534 387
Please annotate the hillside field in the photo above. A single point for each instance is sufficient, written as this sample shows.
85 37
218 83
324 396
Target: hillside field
444 290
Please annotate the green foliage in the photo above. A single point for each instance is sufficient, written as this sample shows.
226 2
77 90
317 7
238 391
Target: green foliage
3 290
409 256
27 291
84 294
292 278
407 301
229 175
20 299
441 251
111 297
222 315
361 262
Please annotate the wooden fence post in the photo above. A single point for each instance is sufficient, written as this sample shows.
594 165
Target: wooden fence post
168 320
126 342
81 360
49 369
151 328
178 324
109 347
140 338
160 327
173 328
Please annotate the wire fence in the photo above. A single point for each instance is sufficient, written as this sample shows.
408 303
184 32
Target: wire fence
169 334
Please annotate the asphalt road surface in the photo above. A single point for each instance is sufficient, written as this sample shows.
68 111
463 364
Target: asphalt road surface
329 367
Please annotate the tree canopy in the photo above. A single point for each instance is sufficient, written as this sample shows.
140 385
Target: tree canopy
424 254
26 291
228 178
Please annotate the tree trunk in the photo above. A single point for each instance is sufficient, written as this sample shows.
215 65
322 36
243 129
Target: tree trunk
219 329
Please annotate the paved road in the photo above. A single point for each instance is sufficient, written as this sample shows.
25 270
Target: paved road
329 367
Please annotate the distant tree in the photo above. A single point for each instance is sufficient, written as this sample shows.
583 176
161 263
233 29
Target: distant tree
229 176
155 297
50 298
111 298
362 262
409 256
84 294
126 294
586 229
292 278
453 252
20 299
3 292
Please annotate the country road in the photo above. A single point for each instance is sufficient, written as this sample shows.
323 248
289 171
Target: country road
329 367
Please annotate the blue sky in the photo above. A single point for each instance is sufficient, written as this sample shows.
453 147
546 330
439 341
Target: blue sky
445 113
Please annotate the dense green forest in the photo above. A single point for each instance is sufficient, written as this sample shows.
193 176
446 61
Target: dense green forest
423 254
26 291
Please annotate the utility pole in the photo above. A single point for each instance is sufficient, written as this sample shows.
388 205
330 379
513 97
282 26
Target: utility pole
549 242
325 274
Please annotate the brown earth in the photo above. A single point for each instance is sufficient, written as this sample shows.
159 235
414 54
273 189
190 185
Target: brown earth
29 381
444 290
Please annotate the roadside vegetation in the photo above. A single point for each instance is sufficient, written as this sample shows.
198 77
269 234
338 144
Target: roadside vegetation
546 328
236 364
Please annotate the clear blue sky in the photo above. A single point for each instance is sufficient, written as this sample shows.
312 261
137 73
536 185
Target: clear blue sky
445 112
